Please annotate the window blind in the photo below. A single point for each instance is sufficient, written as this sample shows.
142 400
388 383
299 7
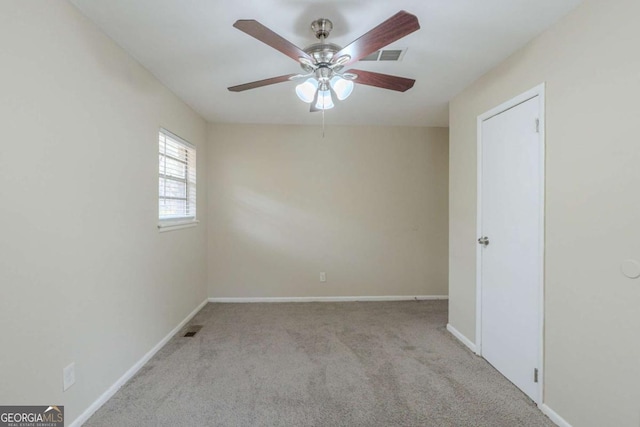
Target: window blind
177 177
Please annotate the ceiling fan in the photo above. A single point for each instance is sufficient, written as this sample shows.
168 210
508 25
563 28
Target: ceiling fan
323 63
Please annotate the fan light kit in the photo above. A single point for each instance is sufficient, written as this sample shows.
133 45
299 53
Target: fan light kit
323 80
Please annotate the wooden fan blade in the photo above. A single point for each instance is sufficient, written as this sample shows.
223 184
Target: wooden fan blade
399 25
260 83
384 81
268 37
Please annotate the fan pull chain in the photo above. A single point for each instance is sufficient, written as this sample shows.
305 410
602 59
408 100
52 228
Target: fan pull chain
323 123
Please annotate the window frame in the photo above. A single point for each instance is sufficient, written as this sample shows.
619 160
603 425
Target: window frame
176 223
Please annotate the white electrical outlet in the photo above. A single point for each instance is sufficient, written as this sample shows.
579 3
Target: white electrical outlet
323 276
68 376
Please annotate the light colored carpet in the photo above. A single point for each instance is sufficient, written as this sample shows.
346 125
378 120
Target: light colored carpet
319 364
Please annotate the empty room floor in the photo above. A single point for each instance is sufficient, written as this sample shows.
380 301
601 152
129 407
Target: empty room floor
319 364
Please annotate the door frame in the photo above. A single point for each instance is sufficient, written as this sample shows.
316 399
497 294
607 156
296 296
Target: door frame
538 91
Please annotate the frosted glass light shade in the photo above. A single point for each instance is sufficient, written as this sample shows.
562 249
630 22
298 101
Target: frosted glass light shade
324 100
341 87
306 91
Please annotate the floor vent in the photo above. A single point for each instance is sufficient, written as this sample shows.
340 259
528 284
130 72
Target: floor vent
386 55
192 330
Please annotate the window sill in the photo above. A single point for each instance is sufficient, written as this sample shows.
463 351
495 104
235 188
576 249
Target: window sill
165 226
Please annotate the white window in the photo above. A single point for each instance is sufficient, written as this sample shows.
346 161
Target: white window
177 181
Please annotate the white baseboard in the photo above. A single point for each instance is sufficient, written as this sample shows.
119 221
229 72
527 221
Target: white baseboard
464 340
132 371
331 299
553 416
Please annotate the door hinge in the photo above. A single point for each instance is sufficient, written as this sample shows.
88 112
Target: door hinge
535 375
537 125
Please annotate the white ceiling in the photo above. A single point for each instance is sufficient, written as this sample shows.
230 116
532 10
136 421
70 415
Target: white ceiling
191 46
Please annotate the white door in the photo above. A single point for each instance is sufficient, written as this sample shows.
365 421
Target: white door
511 262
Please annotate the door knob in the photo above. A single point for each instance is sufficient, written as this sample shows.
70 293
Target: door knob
484 241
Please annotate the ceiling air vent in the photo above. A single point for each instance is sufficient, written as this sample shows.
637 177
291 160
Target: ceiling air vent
386 55
192 330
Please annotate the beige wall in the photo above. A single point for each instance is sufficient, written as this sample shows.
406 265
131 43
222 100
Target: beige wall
84 274
591 65
366 205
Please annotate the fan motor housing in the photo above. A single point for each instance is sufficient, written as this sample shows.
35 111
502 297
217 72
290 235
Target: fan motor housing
322 53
